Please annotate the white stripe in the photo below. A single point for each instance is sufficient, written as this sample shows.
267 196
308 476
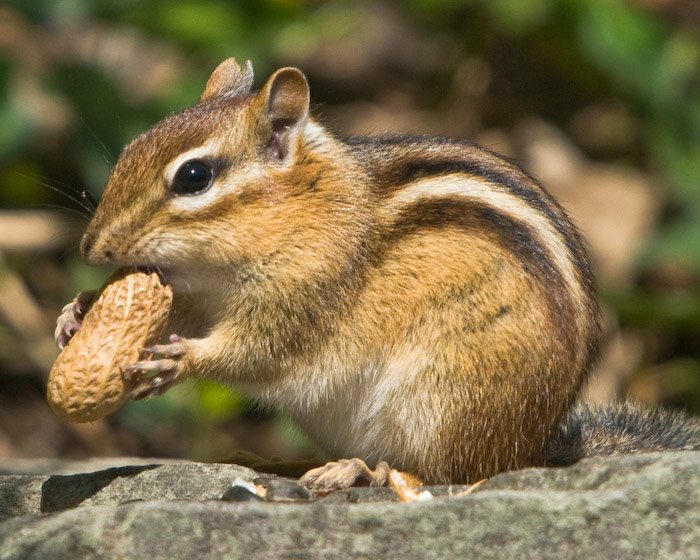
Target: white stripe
504 202
314 131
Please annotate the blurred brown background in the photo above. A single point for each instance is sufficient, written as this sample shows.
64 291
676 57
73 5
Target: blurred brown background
598 98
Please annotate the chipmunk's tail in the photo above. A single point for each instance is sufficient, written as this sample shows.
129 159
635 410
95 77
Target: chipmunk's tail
621 428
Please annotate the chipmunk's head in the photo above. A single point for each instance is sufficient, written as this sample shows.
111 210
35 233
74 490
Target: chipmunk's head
211 184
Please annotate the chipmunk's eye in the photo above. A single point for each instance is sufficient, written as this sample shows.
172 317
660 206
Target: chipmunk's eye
193 177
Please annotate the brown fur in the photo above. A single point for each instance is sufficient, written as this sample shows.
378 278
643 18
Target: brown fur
438 333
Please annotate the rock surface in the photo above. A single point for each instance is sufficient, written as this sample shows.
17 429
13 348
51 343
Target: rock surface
636 506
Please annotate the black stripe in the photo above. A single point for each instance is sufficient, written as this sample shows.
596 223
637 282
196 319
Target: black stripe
511 234
532 195
414 161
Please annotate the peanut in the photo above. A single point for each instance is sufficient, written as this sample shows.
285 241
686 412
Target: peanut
85 382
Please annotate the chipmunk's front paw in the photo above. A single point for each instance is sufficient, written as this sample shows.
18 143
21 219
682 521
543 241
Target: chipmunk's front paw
343 474
71 318
163 366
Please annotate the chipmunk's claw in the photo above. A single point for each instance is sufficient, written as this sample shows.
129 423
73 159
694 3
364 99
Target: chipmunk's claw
161 369
343 474
71 318
175 349
65 330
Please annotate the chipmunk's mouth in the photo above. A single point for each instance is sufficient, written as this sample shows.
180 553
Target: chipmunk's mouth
163 273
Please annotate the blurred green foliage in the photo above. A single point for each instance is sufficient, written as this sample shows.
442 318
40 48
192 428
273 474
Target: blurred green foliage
79 79
637 56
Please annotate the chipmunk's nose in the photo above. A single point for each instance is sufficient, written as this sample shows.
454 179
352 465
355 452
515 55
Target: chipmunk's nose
86 245
92 253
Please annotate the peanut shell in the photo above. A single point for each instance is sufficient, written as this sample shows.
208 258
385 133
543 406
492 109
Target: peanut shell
85 382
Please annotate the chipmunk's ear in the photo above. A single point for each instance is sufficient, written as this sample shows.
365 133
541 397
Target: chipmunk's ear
286 98
229 80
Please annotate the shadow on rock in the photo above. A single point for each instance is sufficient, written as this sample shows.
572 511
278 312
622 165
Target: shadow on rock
61 492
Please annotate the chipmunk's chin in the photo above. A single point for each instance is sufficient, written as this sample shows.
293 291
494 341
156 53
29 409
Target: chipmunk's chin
184 280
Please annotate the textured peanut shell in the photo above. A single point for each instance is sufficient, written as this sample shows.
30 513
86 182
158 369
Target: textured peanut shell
85 382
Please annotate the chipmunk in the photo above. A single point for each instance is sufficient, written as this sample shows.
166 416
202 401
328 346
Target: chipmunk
410 301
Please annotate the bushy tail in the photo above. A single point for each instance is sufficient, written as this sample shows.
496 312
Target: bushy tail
621 428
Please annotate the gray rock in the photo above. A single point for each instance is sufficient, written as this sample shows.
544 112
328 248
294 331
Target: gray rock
111 486
635 506
76 466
